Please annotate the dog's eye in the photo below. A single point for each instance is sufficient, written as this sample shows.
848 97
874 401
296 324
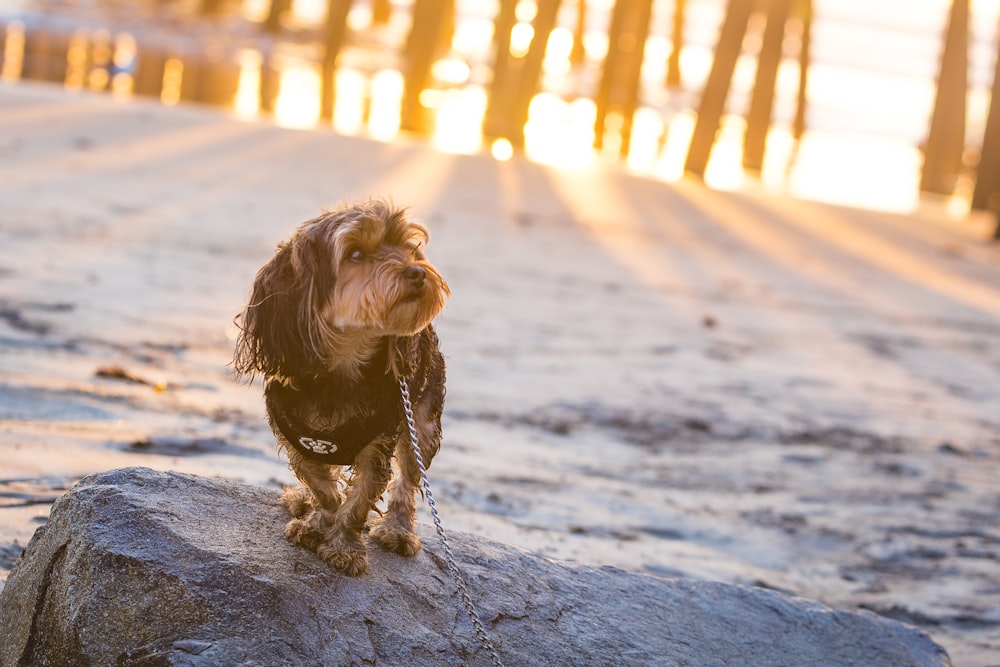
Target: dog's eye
356 255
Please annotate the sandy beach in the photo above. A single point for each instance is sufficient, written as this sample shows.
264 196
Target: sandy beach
739 387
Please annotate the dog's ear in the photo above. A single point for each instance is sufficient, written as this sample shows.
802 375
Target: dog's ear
278 328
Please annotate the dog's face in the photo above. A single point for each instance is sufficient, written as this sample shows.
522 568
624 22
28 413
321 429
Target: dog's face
384 283
359 269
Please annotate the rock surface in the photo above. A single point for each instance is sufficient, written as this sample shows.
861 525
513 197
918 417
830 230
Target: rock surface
137 567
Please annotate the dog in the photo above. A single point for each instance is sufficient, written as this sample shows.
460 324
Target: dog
335 319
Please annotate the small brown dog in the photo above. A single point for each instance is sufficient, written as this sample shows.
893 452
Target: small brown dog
338 316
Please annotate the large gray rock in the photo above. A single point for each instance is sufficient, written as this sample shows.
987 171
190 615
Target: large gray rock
137 567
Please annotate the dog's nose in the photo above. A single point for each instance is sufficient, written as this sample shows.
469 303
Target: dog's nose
415 275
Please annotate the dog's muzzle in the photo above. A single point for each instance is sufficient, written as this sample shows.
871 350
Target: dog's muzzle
415 276
416 280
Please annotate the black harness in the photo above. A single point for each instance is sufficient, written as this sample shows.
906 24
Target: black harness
378 416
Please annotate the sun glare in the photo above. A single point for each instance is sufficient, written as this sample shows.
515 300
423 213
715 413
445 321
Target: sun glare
100 56
126 50
451 71
520 39
557 52
526 10
779 155
501 149
307 12
827 166
386 99
473 38
670 163
647 131
348 106
724 170
77 60
654 60
173 74
297 104
359 17
560 133
459 120
595 45
255 10
247 101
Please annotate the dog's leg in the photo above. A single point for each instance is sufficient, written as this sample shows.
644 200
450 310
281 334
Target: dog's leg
396 532
314 506
297 500
342 547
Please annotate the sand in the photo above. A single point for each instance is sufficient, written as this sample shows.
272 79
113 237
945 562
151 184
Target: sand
731 386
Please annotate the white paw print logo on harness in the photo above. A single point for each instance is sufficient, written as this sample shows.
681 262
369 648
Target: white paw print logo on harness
318 446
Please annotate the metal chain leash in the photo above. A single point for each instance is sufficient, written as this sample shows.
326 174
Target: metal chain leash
449 557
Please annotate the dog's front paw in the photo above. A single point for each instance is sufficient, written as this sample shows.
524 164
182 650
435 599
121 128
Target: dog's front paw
297 500
348 556
303 533
395 538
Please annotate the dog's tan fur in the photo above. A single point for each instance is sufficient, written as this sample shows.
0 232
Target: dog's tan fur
346 303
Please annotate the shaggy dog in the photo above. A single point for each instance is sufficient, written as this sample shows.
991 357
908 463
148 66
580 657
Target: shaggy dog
336 319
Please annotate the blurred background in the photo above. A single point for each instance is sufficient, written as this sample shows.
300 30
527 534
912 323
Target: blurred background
881 105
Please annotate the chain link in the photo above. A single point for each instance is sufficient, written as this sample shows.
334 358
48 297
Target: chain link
449 557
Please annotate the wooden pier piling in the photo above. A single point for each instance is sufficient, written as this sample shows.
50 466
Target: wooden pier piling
762 98
804 13
45 54
946 136
619 86
515 78
677 45
335 32
713 99
433 23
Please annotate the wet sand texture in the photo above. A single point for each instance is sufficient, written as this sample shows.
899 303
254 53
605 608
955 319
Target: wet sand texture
736 387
